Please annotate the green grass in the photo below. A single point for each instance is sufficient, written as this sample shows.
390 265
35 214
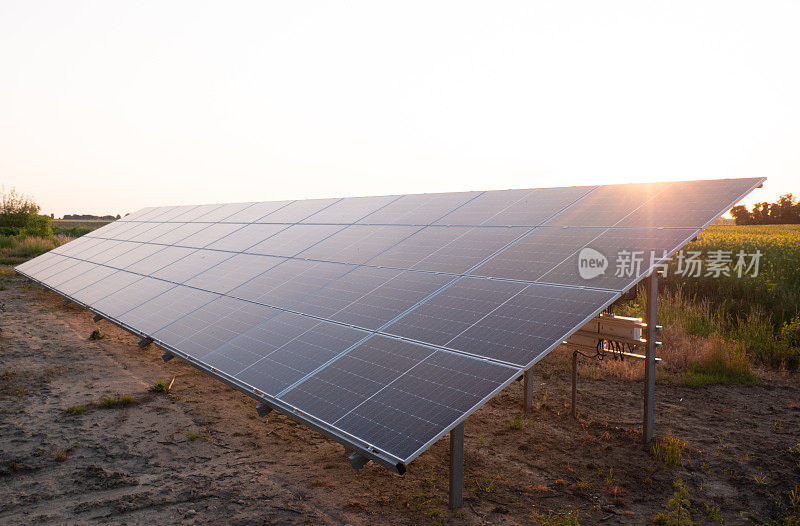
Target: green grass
96 335
116 401
15 249
160 387
728 364
679 513
77 409
518 422
669 451
198 435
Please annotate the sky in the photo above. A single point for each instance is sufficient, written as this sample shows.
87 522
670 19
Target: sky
107 107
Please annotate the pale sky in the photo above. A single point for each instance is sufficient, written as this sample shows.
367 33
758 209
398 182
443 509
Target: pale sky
106 107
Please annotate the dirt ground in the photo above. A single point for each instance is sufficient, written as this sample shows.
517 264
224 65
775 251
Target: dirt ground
201 454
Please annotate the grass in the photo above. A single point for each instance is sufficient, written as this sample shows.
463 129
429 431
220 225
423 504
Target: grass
116 401
196 435
557 518
96 335
77 409
727 364
669 450
679 513
26 247
518 422
714 513
161 387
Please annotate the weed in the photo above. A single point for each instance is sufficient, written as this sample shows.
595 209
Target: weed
197 435
96 335
583 485
558 518
760 479
679 513
117 401
161 387
669 450
60 455
714 513
518 422
726 364
78 409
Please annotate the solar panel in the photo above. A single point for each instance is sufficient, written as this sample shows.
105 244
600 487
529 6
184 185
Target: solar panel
381 321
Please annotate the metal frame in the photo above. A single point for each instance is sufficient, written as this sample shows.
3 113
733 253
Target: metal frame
650 359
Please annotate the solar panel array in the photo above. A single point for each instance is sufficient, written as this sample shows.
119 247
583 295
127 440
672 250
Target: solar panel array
386 320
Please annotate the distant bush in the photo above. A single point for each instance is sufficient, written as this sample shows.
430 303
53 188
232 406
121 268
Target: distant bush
19 216
16 209
38 226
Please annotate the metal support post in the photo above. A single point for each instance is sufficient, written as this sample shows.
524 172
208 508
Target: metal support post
263 410
144 342
650 358
575 384
457 466
527 386
357 461
97 317
167 356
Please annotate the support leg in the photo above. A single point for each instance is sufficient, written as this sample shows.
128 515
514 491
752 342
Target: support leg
650 359
457 466
527 386
575 385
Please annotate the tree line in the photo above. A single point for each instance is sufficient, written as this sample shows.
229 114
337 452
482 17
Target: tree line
785 211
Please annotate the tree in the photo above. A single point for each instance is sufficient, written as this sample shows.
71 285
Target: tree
785 211
19 214
15 208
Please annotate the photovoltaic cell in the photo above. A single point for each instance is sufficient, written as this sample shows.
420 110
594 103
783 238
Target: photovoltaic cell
396 395
190 266
165 308
540 205
522 329
358 244
93 274
369 297
224 212
233 272
297 211
691 204
606 205
349 210
293 240
383 319
631 252
452 249
91 294
453 310
538 252
282 350
245 237
288 282
121 300
255 211
420 209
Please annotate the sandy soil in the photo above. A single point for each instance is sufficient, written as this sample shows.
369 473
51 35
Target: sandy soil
201 454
